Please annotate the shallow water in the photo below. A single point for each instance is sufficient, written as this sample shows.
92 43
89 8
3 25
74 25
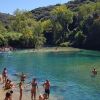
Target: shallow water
68 72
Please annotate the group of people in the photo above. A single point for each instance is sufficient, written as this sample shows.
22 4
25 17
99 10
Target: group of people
8 85
6 49
34 86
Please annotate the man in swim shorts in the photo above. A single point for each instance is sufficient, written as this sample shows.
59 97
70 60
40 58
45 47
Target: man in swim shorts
46 86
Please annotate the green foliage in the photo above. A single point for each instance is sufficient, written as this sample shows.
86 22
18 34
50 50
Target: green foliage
2 28
65 44
86 10
79 39
93 37
39 38
47 25
62 14
74 24
79 36
61 18
31 30
3 40
13 38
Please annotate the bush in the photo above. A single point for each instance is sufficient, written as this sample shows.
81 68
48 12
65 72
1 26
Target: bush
65 44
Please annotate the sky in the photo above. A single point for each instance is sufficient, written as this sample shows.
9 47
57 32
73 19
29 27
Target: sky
9 6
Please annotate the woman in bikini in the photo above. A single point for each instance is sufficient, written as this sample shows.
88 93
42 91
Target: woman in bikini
4 75
21 90
33 89
22 77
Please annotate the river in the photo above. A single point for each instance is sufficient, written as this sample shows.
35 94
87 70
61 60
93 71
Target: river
69 72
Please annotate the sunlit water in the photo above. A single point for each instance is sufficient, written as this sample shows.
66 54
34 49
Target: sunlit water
68 72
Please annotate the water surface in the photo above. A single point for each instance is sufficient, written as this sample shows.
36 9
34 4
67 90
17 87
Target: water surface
68 72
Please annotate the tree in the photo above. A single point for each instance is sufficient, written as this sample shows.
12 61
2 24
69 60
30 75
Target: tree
93 36
79 39
63 15
13 38
31 30
2 28
3 40
86 9
61 18
38 35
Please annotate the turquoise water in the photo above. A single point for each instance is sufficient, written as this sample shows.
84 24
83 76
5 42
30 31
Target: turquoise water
68 72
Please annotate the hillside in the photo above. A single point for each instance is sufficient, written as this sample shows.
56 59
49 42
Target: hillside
43 13
74 24
4 18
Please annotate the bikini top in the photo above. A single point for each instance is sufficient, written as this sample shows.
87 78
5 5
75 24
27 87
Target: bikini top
34 84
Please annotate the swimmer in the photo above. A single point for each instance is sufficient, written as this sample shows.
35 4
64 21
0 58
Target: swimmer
94 71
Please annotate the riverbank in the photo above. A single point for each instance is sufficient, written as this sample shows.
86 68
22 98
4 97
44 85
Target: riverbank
55 49
49 49
45 49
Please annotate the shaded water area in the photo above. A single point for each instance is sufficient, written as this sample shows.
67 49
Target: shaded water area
68 72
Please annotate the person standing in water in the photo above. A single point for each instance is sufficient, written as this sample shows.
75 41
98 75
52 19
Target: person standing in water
33 89
21 90
46 86
4 75
22 77
94 71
